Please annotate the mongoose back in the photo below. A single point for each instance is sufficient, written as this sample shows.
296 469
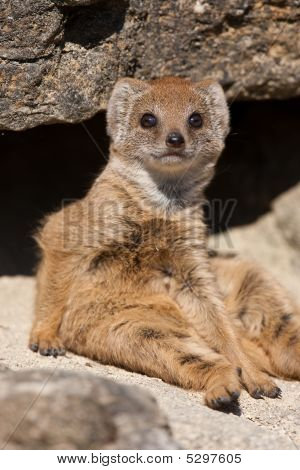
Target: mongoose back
126 277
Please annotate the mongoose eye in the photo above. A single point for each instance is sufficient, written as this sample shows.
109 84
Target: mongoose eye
148 120
195 120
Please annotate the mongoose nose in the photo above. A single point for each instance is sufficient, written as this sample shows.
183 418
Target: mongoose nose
175 139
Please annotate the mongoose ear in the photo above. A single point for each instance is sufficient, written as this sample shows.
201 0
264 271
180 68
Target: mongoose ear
217 101
125 93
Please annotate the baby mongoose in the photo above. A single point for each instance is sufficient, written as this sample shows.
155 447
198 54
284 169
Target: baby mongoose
126 277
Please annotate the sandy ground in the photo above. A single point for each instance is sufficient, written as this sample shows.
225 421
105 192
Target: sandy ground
262 424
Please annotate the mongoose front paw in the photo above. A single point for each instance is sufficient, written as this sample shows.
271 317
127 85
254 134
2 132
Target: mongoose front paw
47 346
259 385
223 390
220 397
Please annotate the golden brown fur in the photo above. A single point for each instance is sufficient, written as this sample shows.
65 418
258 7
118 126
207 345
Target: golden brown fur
126 277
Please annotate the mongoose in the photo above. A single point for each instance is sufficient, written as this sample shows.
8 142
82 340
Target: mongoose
126 277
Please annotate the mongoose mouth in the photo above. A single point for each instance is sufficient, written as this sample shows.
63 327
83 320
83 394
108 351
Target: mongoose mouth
170 158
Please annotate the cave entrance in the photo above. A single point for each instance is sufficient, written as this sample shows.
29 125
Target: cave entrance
41 167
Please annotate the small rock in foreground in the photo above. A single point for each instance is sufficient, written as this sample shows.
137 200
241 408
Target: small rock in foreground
50 409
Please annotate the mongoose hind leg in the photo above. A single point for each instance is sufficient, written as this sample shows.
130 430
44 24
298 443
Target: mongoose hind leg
153 338
263 313
284 347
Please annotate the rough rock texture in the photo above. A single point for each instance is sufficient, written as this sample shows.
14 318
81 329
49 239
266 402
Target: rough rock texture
263 424
59 59
52 409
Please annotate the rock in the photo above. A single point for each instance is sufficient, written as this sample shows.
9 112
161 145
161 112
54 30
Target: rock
75 3
287 215
32 30
54 409
59 59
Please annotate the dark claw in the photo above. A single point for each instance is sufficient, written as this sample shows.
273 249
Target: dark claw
61 352
223 401
34 347
58 352
46 352
214 404
227 404
53 352
257 394
235 396
275 393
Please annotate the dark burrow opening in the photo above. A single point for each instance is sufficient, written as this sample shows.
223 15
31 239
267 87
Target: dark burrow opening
41 167
89 25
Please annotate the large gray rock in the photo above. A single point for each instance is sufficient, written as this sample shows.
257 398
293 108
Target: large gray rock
59 59
53 409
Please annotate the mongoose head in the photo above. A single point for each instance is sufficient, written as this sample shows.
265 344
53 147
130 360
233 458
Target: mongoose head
169 126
